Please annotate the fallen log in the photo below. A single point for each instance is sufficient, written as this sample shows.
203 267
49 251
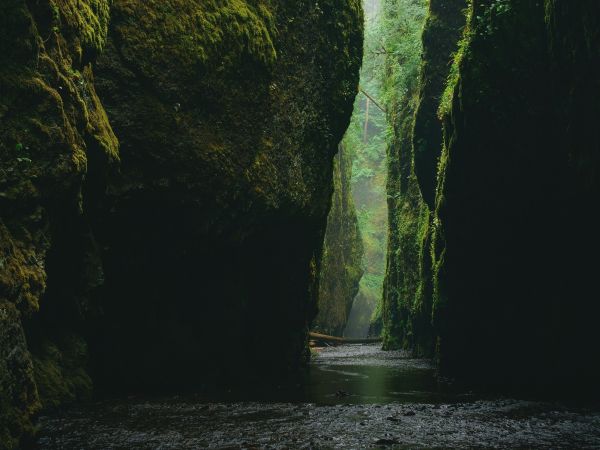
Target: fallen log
335 340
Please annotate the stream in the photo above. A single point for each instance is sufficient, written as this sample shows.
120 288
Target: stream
355 396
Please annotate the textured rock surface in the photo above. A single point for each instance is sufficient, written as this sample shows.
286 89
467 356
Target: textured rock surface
406 306
515 243
442 30
53 133
406 408
341 264
213 228
413 156
204 229
511 236
500 424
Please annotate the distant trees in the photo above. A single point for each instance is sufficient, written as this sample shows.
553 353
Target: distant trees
389 74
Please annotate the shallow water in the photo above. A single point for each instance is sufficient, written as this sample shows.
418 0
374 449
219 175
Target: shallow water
355 396
365 374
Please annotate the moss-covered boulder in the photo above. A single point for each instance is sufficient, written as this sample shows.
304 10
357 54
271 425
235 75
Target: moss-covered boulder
206 240
229 115
341 262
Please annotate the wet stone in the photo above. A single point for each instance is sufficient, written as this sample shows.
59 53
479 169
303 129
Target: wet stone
394 404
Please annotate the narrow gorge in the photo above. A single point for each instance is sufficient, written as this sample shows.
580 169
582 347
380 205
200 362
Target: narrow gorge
188 188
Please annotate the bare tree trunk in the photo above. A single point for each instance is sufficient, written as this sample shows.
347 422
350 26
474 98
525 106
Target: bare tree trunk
341 168
366 131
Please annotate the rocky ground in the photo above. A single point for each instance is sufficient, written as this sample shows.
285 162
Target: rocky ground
355 397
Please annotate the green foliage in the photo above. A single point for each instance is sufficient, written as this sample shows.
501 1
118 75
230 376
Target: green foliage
21 156
446 99
402 26
405 281
369 172
389 75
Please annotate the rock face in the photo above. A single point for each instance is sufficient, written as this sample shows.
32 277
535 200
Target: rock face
413 160
182 253
508 251
228 119
406 304
516 242
442 30
53 134
341 263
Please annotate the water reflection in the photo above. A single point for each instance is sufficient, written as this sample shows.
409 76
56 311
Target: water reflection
363 374
353 396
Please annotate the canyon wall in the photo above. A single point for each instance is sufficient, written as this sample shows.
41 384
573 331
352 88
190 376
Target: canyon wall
413 155
516 234
53 133
341 262
234 116
501 260
166 174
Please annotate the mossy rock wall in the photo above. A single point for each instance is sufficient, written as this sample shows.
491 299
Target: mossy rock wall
341 261
229 118
516 242
53 135
501 282
406 305
145 265
413 154
442 30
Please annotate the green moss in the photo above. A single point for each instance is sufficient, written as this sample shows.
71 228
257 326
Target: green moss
407 300
181 34
13 425
60 372
241 103
443 27
445 103
229 114
438 247
341 262
86 19
53 135
415 156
